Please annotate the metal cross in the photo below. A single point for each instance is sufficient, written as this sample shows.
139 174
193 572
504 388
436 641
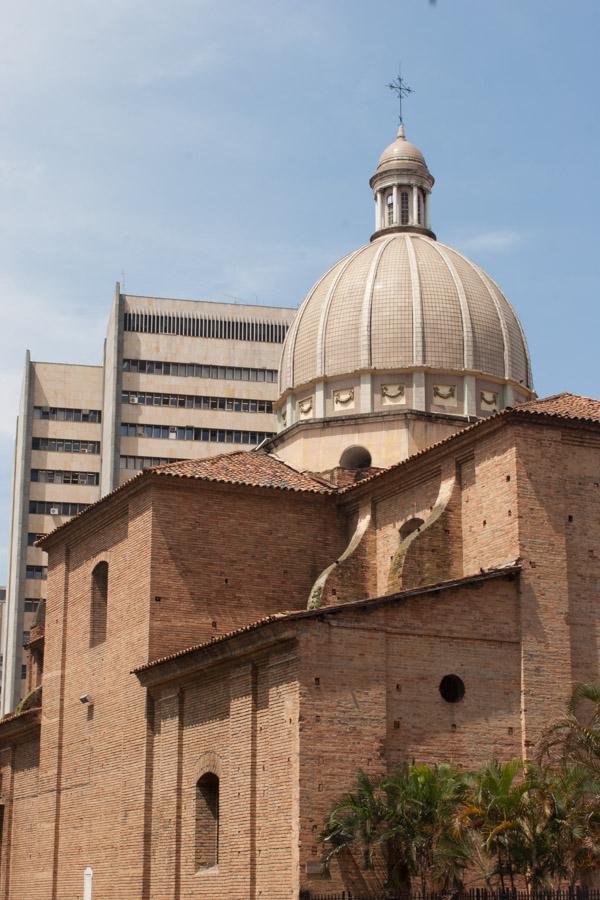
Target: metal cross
400 87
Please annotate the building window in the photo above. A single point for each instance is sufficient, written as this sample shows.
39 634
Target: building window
39 573
31 605
64 445
404 207
193 401
145 462
207 821
198 326
23 672
33 536
25 637
190 433
99 604
420 207
452 688
54 476
390 209
55 508
62 414
198 370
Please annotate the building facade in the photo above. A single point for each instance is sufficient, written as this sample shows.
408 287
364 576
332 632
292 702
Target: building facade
179 380
228 639
285 633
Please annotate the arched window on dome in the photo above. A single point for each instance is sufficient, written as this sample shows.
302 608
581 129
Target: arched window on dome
390 209
404 207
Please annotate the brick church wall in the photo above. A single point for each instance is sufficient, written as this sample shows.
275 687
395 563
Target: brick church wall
239 722
369 696
288 724
224 557
559 530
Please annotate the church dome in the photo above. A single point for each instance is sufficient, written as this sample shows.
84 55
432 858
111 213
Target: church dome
405 302
402 329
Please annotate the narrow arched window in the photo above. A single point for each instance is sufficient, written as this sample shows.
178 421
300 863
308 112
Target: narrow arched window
390 209
207 821
99 604
404 207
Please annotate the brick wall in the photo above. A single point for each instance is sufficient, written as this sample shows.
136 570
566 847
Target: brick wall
111 784
224 557
369 696
240 722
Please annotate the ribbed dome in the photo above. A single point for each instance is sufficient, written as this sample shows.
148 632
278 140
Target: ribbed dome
404 301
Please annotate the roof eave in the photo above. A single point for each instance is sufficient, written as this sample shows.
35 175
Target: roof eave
260 635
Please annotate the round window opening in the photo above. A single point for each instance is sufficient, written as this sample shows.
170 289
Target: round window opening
355 458
452 688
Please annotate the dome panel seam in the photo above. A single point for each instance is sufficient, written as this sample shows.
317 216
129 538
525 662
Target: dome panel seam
324 318
366 348
417 303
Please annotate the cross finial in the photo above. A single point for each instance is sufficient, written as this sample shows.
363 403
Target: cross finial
401 88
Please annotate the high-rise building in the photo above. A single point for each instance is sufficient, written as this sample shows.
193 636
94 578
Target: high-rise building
179 380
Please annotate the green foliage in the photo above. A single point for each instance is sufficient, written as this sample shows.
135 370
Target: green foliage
508 824
576 737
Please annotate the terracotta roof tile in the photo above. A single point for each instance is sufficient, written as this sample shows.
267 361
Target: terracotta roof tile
560 406
565 405
255 468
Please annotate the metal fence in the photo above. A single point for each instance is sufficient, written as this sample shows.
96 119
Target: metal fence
576 893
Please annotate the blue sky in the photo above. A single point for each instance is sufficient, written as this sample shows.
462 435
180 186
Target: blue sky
223 149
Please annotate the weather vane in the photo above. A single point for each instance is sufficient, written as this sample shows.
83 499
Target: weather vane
400 87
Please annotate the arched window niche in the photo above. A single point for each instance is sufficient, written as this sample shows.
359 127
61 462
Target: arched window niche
411 525
99 604
207 821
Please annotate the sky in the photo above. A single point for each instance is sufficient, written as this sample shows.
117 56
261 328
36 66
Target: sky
222 150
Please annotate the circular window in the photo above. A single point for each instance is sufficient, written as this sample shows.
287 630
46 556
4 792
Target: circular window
452 688
355 458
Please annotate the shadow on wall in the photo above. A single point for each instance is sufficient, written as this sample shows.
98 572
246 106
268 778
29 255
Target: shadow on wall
430 550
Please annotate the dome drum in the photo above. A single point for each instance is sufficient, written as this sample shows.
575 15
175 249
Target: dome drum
468 395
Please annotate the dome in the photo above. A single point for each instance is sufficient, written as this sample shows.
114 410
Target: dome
405 302
402 152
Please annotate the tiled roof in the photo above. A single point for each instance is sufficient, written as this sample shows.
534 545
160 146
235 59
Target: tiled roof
16 720
255 468
565 405
560 406
509 569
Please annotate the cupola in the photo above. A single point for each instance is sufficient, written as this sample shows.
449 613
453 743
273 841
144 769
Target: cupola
402 186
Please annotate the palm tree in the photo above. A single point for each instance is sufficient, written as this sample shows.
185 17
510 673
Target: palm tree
576 736
575 823
493 809
405 820
535 823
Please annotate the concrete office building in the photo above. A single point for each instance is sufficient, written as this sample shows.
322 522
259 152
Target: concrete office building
179 380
